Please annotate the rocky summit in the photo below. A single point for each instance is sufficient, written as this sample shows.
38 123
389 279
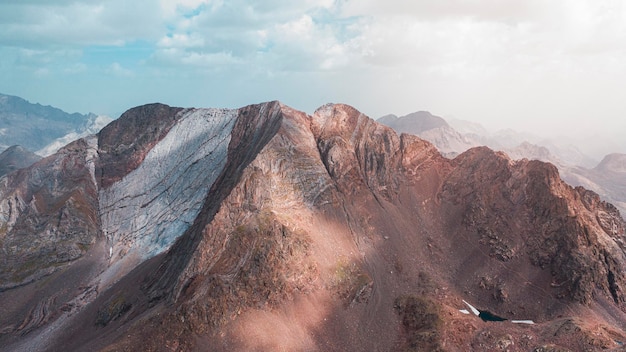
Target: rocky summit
266 229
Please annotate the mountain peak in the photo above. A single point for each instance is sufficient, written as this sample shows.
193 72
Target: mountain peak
615 162
16 157
265 228
414 123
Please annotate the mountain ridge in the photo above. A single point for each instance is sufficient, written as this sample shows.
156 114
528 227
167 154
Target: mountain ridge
318 232
42 129
574 166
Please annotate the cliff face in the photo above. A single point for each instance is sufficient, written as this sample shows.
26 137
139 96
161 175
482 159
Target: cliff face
264 228
48 214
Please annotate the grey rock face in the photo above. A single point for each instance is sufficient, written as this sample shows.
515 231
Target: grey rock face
148 209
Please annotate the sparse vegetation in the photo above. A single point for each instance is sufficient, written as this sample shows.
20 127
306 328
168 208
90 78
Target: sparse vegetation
262 264
112 310
421 321
351 283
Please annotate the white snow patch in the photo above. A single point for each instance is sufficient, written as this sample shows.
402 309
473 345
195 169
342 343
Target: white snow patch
93 126
471 307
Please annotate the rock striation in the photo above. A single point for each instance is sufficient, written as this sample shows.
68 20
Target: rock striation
265 228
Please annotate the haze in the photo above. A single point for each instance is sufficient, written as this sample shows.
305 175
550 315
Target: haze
551 68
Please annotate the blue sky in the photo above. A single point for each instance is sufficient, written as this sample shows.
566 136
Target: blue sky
551 67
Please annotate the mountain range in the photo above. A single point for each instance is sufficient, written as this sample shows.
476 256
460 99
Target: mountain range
42 129
265 228
574 166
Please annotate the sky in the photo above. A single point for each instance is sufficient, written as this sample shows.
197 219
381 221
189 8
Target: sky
553 67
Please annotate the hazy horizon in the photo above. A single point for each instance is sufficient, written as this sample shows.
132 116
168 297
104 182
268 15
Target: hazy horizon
548 68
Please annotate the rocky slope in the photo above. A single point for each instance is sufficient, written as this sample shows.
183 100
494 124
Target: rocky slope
575 167
608 178
16 157
264 228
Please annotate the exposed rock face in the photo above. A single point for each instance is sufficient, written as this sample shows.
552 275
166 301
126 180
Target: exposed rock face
16 157
163 195
547 222
48 214
264 228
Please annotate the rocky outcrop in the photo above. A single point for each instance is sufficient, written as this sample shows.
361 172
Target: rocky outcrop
48 214
607 178
264 228
522 213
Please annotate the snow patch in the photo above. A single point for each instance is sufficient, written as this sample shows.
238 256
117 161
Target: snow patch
94 125
471 307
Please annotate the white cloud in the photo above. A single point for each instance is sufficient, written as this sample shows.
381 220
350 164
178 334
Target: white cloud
53 24
523 59
118 70
181 41
271 36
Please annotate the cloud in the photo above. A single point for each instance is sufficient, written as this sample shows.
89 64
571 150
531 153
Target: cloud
63 23
461 37
272 35
118 70
524 59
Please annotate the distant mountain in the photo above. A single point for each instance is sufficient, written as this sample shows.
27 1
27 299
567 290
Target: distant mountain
607 178
613 163
414 123
35 126
268 229
93 124
431 128
531 151
16 157
467 127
